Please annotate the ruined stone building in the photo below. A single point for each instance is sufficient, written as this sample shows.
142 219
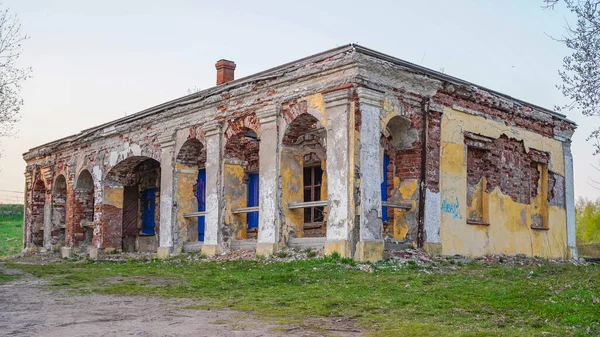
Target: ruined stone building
339 150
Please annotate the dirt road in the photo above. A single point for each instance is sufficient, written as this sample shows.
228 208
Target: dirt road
29 308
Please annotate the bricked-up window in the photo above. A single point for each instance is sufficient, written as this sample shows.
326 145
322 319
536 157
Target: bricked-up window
312 192
505 163
38 203
477 212
539 220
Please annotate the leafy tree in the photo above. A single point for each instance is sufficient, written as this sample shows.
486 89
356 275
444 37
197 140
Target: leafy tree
11 75
587 221
581 70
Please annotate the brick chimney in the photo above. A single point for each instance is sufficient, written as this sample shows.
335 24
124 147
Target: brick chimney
225 71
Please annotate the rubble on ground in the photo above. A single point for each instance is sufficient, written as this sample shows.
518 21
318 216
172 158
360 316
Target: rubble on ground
398 258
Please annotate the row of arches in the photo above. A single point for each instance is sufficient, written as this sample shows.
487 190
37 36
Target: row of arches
49 211
303 152
130 209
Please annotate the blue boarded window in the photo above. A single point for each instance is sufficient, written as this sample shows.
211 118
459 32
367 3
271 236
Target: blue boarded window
201 198
253 199
148 214
384 187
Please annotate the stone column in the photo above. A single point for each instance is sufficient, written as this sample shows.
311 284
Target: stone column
47 176
166 196
370 245
27 228
570 200
67 249
48 219
268 216
340 161
213 240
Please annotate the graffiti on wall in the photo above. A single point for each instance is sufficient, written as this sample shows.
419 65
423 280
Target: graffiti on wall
451 207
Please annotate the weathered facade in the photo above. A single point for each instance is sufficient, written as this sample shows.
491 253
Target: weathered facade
337 150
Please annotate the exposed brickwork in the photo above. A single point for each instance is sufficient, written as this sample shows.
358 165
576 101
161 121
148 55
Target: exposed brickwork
83 210
111 227
306 134
405 156
38 200
59 200
518 116
114 152
192 153
225 71
242 142
243 147
433 151
291 110
304 131
506 165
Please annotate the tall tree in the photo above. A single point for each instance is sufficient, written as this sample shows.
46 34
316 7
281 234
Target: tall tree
581 70
587 221
11 75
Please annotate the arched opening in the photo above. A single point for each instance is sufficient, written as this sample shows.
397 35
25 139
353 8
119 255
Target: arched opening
59 201
190 175
83 210
401 169
241 183
304 177
130 215
38 204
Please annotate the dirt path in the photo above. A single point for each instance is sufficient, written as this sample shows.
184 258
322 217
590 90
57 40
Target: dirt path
28 308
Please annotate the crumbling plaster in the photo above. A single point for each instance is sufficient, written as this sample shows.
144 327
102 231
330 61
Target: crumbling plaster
326 82
509 229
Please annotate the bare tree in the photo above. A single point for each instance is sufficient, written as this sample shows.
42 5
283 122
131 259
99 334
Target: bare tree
11 75
581 70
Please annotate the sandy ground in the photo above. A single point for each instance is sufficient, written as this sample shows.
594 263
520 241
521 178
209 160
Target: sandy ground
29 308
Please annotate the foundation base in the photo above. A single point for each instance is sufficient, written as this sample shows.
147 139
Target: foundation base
369 251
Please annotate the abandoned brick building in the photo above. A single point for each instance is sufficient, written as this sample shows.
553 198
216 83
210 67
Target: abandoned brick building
339 150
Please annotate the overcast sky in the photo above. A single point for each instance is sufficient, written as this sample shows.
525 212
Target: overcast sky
95 61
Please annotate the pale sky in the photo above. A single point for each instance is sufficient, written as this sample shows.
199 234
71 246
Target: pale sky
95 61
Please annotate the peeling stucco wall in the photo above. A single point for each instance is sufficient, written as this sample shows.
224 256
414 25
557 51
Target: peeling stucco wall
349 140
509 230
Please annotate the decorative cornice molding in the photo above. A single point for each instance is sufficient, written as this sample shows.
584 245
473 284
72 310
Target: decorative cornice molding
268 113
212 127
337 97
46 174
369 96
166 140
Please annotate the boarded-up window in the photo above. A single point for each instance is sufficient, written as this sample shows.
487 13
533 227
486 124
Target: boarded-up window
312 192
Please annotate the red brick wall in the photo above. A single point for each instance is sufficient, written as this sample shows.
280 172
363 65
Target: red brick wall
515 116
506 165
83 209
38 200
192 153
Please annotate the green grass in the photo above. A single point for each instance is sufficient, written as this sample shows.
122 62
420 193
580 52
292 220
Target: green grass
443 300
11 234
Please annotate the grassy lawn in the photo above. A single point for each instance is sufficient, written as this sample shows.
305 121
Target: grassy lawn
444 299
11 234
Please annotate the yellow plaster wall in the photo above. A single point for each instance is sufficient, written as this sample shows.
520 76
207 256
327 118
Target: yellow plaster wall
113 196
509 231
478 206
292 173
324 187
354 166
235 197
187 177
317 102
292 191
405 191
